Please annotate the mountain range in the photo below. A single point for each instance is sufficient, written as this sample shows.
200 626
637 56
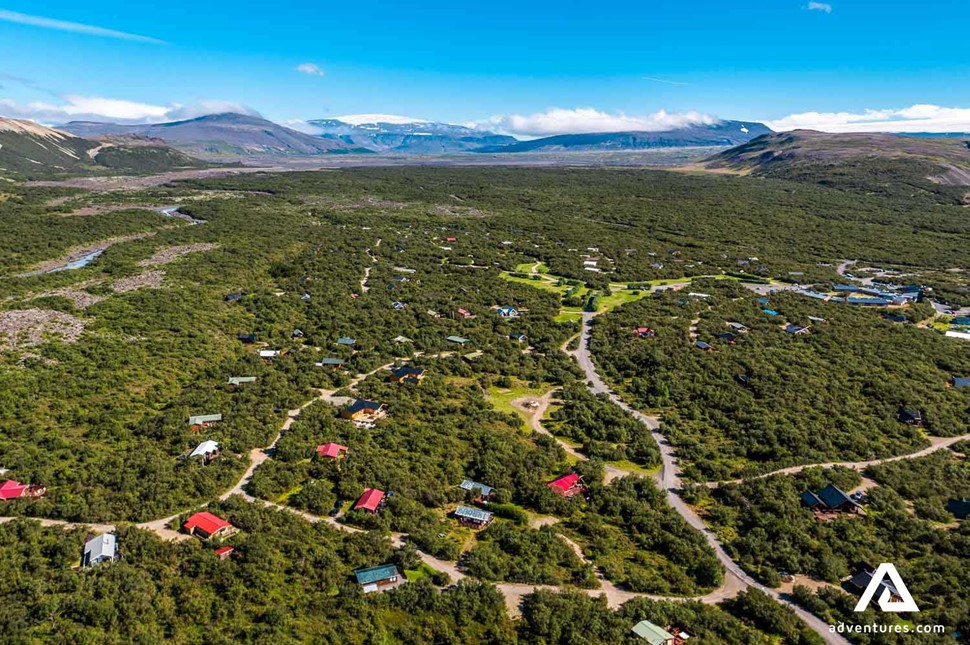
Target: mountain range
223 135
389 134
220 136
28 149
722 133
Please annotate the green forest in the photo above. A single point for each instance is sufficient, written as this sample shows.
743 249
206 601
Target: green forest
832 394
769 530
101 367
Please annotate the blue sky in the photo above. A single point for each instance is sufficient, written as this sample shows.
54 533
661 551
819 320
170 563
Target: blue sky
529 68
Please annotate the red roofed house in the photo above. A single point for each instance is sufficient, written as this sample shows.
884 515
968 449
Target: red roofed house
568 485
464 313
332 450
370 501
206 526
11 489
645 332
224 552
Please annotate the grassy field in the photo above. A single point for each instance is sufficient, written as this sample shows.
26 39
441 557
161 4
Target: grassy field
619 294
501 398
423 571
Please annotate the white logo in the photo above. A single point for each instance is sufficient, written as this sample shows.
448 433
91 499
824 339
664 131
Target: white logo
894 595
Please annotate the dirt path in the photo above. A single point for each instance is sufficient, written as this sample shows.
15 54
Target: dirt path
97 528
535 420
936 443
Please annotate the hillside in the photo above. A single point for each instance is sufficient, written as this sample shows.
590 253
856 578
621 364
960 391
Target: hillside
223 135
388 134
29 150
723 133
884 163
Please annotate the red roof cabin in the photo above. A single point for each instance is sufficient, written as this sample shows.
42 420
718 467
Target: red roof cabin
207 526
332 450
224 552
464 313
11 489
371 501
568 485
645 332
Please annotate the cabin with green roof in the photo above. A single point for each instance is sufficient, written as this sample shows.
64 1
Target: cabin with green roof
377 578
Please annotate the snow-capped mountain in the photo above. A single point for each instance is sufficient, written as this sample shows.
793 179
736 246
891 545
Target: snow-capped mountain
405 135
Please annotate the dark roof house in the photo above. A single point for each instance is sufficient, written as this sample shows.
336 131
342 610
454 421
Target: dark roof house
959 507
407 374
911 416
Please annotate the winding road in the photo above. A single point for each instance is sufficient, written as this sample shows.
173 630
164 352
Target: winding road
735 579
936 444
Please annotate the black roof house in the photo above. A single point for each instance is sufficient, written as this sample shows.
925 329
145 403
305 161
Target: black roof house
831 498
911 416
959 507
860 582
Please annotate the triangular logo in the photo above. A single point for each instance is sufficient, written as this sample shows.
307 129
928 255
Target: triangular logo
888 591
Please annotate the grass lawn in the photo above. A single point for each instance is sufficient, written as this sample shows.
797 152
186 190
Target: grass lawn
501 398
636 469
548 283
423 571
532 267
288 494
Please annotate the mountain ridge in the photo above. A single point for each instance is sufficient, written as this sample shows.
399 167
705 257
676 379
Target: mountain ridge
722 133
860 162
223 135
401 136
28 149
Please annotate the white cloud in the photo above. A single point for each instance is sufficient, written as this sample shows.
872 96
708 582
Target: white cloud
584 120
310 69
819 6
916 118
302 126
73 27
96 108
202 108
